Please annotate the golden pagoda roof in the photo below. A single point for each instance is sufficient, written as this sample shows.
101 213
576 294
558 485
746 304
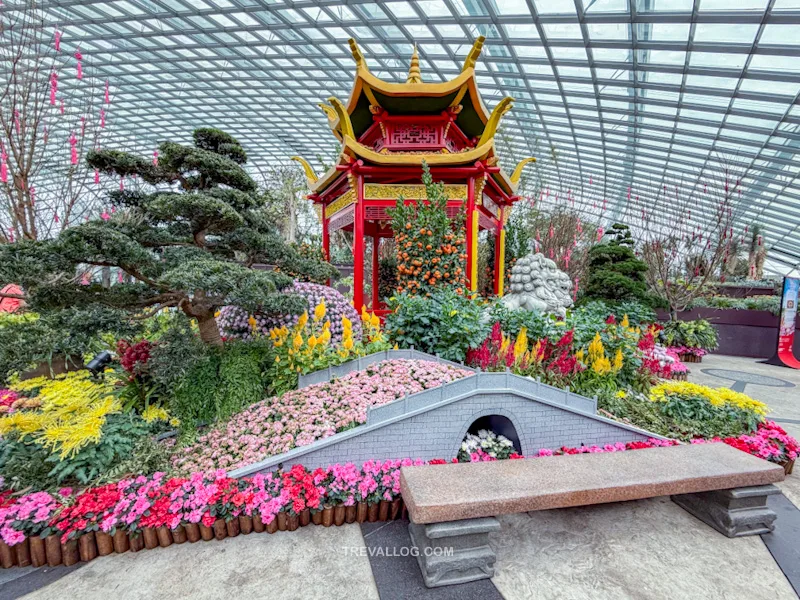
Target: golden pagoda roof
414 97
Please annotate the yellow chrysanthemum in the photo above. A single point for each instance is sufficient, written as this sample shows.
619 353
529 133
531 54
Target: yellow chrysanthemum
155 413
714 396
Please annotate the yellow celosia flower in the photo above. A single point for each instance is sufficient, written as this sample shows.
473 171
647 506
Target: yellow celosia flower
601 366
521 345
375 321
326 336
596 349
580 355
319 311
347 325
625 322
312 342
364 314
252 322
618 359
216 315
297 342
348 343
301 322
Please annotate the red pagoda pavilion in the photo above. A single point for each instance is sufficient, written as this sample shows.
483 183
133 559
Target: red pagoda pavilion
387 130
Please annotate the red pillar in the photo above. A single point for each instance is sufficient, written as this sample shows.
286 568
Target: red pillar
326 236
376 241
499 255
358 245
472 280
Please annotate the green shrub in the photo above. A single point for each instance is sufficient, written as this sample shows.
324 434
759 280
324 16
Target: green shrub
769 303
615 273
445 323
221 382
690 334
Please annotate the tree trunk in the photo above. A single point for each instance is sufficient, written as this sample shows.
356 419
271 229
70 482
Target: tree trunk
209 331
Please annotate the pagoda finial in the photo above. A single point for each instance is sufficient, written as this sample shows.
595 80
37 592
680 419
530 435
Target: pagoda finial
472 57
329 111
414 74
361 63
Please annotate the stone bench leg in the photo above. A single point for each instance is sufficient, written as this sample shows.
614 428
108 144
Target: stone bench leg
454 552
736 512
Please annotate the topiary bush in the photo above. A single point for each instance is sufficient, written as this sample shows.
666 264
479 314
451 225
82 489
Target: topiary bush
235 322
615 273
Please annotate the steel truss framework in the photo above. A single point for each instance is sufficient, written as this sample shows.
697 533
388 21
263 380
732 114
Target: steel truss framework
620 93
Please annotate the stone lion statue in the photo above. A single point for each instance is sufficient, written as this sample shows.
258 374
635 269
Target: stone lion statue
537 284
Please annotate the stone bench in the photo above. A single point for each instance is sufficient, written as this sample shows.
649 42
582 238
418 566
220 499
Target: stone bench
453 507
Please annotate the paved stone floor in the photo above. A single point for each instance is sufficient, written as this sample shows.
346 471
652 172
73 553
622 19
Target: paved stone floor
649 549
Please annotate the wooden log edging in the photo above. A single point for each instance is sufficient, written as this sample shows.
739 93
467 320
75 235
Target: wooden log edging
51 551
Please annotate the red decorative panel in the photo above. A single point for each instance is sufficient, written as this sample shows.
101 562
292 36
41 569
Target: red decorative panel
411 134
484 222
342 219
378 144
375 213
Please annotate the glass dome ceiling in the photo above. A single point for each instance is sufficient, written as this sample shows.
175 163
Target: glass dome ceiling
612 96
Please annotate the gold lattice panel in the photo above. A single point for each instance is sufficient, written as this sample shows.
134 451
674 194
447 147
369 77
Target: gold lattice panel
341 202
379 191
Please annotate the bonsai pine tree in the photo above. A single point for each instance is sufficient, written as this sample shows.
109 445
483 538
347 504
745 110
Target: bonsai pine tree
615 273
188 243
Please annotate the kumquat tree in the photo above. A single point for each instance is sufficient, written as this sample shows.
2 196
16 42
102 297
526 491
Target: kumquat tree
430 247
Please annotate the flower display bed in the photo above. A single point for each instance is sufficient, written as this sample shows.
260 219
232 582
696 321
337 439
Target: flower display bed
150 512
303 416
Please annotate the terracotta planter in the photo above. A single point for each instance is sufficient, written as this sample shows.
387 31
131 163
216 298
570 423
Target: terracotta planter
396 509
23 553
258 524
8 557
38 552
361 512
372 513
272 526
350 514
282 519
206 532
316 518
327 516
245 524
178 534
105 543
192 532
121 542
339 514
788 466
136 541
87 547
292 523
164 536
220 530
52 547
383 510
232 527
305 517
69 553
691 358
150 538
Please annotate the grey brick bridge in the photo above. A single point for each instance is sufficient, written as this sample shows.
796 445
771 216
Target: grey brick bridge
433 423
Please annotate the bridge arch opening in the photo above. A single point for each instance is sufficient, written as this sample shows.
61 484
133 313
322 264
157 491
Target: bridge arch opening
499 424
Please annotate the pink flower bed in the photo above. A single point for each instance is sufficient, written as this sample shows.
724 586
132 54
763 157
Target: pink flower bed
303 416
770 442
155 501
